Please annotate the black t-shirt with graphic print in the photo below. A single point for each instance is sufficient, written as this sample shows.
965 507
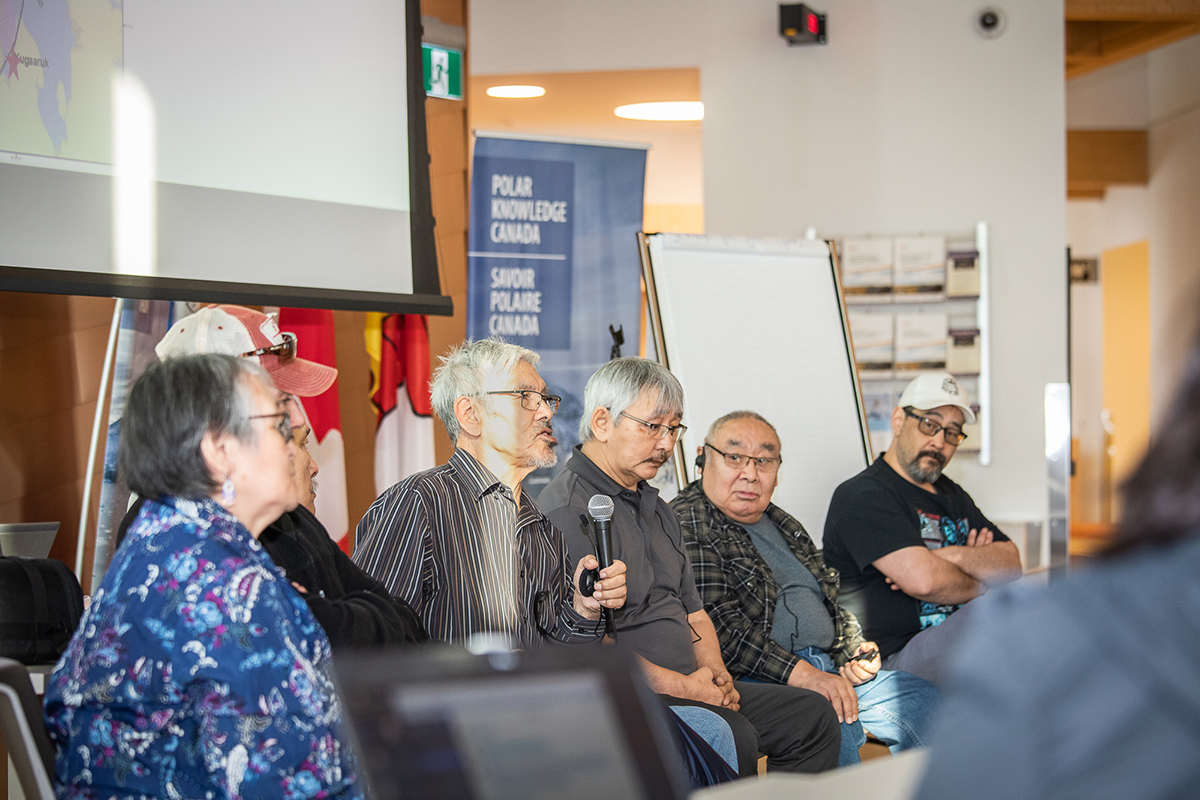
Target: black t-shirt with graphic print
878 512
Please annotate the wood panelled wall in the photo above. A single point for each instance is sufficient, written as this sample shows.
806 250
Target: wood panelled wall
358 415
449 172
51 358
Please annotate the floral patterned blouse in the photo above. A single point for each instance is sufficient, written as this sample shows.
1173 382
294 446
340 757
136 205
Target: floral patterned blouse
197 672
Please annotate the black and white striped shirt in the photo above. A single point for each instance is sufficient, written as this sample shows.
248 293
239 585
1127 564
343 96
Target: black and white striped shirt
451 543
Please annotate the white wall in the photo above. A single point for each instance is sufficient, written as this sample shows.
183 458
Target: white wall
1175 211
1094 226
1112 98
1159 92
907 121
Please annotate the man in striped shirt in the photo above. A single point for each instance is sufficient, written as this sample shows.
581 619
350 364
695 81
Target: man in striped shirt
461 543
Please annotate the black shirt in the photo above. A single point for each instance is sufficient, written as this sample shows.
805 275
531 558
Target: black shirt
878 512
354 609
661 592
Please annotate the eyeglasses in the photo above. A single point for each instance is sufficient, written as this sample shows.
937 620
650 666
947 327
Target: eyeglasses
285 423
286 350
738 460
656 430
532 401
929 427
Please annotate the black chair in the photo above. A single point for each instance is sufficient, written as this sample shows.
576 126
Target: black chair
24 731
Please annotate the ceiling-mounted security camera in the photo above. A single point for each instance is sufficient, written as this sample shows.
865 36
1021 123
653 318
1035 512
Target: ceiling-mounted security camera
990 23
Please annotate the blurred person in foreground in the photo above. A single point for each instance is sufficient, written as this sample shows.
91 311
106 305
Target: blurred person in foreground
1090 687
198 671
354 609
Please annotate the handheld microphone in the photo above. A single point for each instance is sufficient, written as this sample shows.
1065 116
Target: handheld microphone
600 509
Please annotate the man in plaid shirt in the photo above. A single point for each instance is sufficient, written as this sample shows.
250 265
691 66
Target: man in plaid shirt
774 602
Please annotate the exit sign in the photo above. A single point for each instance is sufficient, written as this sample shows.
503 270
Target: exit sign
443 71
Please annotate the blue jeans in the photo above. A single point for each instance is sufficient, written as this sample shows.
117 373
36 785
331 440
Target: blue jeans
712 729
895 707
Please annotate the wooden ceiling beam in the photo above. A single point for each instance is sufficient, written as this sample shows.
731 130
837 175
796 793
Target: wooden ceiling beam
1085 191
1087 39
1131 10
1093 45
1099 159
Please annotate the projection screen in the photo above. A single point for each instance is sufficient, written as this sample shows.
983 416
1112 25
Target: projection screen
271 152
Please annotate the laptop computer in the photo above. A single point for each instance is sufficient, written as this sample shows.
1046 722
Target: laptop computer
28 539
562 723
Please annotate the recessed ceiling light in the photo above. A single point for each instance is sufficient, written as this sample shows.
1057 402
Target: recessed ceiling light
515 91
672 111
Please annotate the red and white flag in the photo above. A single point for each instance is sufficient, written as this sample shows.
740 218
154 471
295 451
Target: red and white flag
399 349
315 341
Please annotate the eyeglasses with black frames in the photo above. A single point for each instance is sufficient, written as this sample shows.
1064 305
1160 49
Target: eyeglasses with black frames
740 460
532 401
285 423
930 427
657 430
285 351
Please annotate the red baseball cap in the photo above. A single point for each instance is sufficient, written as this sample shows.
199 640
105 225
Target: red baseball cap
243 332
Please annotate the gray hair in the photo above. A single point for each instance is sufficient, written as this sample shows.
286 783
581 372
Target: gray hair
171 408
735 415
618 385
464 370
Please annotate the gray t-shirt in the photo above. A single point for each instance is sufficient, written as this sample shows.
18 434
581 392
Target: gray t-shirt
801 618
646 536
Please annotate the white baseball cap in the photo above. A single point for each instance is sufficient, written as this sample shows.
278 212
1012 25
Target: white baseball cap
239 331
934 389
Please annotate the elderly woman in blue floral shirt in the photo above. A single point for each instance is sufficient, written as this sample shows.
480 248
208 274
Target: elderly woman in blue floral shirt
198 671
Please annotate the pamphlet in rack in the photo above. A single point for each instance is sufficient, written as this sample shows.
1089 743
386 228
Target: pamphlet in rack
874 343
867 270
920 268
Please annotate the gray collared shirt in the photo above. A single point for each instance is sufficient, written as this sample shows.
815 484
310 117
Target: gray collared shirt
646 536
451 543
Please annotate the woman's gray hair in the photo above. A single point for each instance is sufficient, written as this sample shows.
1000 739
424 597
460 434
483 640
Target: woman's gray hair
170 409
618 385
464 371
730 417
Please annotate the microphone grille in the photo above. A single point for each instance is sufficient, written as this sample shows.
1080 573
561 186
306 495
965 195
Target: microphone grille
600 507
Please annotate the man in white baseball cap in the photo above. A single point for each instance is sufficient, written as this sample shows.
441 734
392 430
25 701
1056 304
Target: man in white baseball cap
911 546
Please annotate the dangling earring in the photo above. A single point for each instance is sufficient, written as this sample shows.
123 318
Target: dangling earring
227 493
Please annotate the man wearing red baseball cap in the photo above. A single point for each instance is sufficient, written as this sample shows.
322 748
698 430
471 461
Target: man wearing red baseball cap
354 609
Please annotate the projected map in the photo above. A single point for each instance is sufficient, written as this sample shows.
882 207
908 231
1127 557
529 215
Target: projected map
58 59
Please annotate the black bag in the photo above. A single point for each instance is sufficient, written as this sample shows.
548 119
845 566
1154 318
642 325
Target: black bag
40 607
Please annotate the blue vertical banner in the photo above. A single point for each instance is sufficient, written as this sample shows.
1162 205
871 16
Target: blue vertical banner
520 258
553 260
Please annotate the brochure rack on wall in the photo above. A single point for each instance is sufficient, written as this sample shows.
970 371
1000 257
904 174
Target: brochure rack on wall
918 304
